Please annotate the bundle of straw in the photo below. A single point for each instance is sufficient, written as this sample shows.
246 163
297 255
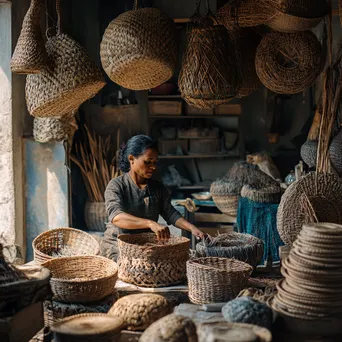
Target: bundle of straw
98 163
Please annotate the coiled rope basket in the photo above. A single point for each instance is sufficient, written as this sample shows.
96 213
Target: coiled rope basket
145 262
138 49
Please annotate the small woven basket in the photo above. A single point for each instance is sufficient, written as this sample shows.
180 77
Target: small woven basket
308 152
61 242
288 63
138 48
82 279
270 194
145 262
216 280
30 56
335 150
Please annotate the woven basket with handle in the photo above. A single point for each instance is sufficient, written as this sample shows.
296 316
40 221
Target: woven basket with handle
216 280
30 56
71 79
138 48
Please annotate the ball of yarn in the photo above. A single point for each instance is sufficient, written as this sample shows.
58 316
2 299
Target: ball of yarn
248 310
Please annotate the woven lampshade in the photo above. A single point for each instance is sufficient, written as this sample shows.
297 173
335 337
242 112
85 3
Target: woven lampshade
288 63
138 48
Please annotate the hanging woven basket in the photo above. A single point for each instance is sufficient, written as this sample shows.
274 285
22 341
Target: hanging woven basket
308 152
271 194
138 48
71 80
316 197
288 63
335 152
30 56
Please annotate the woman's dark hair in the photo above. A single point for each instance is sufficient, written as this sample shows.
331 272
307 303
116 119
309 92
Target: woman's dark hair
136 146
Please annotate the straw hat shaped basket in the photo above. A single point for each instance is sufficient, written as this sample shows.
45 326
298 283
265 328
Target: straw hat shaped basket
62 242
30 56
288 63
71 79
82 279
145 262
138 48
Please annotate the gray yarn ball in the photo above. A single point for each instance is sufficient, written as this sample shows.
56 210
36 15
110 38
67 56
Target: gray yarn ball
248 310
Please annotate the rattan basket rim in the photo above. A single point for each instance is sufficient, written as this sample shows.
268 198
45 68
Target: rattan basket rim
244 266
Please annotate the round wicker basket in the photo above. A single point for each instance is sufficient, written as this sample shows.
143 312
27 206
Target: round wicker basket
138 49
213 280
288 63
95 216
145 262
308 152
82 279
62 242
271 194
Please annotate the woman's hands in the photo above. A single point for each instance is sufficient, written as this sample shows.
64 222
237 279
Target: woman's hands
197 233
162 232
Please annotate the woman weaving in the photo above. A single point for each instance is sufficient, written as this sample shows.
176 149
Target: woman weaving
134 201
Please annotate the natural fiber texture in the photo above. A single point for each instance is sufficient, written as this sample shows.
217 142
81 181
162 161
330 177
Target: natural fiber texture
138 49
311 289
270 194
30 56
89 327
82 279
71 80
308 152
145 262
210 73
243 247
54 311
95 216
335 152
61 242
288 63
216 279
314 198
171 328
139 311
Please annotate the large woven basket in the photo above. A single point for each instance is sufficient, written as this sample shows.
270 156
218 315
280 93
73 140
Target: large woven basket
288 63
145 262
315 197
213 280
138 48
271 194
62 242
243 247
30 56
95 216
82 279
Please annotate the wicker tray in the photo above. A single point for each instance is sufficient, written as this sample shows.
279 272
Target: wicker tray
146 263
82 279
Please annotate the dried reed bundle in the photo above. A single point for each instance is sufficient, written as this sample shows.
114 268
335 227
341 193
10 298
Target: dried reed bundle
97 162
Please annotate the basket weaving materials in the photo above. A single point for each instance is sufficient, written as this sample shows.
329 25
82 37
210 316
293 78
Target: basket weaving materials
171 328
145 262
271 194
288 63
61 242
82 279
87 328
139 311
308 152
314 198
335 152
138 49
243 247
30 56
213 280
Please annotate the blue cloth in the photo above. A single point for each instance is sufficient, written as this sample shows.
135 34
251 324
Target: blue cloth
260 220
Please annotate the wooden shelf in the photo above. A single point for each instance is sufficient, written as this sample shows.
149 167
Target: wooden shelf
192 116
199 156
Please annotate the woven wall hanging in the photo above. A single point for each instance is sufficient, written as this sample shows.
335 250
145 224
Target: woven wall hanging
30 56
71 79
138 48
316 197
288 63
210 73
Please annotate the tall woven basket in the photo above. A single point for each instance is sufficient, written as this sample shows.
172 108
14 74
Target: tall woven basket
30 56
138 48
71 80
145 262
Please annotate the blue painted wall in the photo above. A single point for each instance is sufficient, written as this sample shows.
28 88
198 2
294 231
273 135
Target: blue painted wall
46 189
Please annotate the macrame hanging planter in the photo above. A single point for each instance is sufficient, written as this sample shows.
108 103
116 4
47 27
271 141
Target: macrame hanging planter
71 79
30 56
210 73
138 49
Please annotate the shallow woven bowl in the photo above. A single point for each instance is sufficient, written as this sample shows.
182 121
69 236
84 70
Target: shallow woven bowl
82 279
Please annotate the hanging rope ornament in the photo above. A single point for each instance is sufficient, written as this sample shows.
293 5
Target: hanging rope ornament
72 78
210 73
138 49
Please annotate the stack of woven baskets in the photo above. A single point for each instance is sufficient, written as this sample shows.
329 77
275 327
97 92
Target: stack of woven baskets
311 289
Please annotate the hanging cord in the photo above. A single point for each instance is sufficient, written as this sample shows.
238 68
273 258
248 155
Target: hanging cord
58 10
135 6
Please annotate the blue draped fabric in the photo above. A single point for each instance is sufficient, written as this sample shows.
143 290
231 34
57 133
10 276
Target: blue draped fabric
260 220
